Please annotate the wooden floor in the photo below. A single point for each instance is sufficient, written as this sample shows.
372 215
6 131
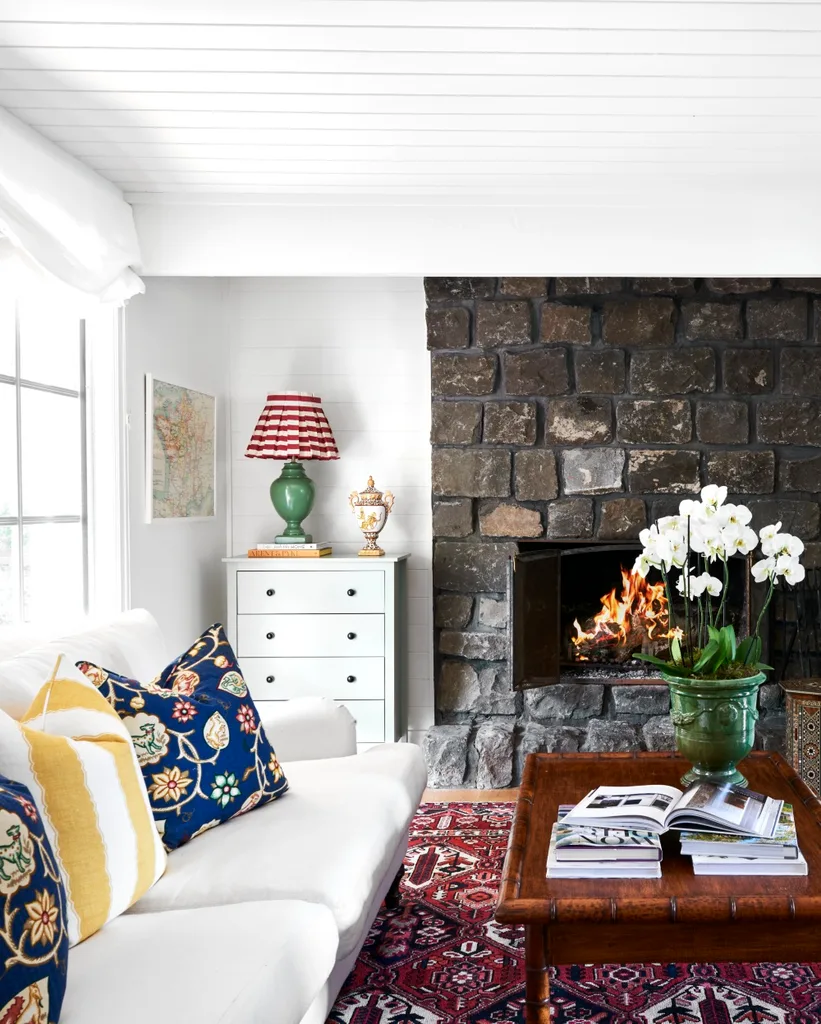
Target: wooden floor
496 796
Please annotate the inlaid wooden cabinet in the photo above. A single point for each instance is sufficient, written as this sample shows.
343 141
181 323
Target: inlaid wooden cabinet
325 627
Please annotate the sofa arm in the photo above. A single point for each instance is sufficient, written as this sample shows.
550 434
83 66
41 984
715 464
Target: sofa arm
308 728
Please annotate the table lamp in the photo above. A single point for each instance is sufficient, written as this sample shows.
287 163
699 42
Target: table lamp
292 428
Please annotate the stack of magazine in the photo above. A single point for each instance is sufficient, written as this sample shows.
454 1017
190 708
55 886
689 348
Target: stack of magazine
615 831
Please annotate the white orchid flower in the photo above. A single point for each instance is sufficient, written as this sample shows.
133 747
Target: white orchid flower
763 570
642 565
691 586
734 515
790 568
787 544
739 539
712 584
649 535
672 524
769 538
711 497
707 540
676 547
689 509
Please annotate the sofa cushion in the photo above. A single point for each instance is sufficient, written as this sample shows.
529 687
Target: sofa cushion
250 963
34 940
75 756
203 752
330 842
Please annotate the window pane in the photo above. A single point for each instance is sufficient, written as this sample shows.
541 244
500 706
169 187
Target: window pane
52 572
52 466
9 575
8 450
49 345
6 334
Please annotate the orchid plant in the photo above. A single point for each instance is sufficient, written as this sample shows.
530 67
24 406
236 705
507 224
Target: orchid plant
697 544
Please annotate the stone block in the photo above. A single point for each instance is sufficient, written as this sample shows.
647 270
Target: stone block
523 287
666 471
802 284
534 738
563 739
811 558
582 420
801 474
453 518
770 696
503 322
506 519
738 285
463 375
565 324
801 372
481 646
641 699
659 733
492 612
649 421
680 286
448 328
677 372
494 746
607 736
748 371
535 475
529 739
600 372
723 421
639 322
458 687
712 321
496 697
564 701
437 288
446 753
570 518
622 519
536 373
798 517
471 472
771 733
592 470
453 611
742 471
456 422
471 567
510 423
778 319
790 421
587 285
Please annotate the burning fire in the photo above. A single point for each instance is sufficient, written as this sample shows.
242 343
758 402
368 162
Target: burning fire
636 616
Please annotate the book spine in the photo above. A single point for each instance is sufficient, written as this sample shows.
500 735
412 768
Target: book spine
290 554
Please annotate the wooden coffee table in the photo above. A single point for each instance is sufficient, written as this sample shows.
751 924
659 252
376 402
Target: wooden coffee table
678 917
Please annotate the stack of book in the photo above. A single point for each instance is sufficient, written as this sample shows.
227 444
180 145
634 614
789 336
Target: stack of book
289 550
715 854
585 851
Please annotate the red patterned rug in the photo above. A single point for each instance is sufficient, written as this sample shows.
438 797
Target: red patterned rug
442 959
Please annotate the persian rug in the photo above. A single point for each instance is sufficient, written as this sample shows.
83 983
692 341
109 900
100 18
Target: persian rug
442 959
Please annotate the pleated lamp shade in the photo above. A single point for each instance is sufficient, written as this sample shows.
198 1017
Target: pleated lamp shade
292 426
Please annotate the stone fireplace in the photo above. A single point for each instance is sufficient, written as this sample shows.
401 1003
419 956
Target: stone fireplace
566 414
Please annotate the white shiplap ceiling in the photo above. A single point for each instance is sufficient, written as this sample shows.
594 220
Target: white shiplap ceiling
417 97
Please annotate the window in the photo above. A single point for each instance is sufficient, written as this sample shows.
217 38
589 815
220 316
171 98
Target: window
44 540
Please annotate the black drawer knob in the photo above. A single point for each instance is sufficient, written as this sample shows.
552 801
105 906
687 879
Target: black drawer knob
270 593
351 592
352 636
269 679
351 679
270 636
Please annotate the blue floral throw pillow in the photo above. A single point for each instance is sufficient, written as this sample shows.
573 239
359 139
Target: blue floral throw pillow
33 939
203 753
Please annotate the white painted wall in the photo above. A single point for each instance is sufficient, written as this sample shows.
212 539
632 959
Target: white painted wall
358 343
176 331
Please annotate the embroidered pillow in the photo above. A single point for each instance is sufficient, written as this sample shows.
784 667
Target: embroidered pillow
198 738
74 755
34 941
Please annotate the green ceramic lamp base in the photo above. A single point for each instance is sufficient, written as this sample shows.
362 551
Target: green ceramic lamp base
732 777
292 495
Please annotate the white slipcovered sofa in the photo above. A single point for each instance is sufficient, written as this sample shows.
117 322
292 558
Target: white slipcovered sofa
260 920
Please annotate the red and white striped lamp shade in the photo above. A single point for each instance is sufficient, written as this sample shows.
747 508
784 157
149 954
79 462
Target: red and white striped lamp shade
292 426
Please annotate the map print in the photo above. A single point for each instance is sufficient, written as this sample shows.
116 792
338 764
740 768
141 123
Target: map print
183 438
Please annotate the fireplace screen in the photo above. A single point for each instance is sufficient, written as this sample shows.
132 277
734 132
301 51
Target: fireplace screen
580 610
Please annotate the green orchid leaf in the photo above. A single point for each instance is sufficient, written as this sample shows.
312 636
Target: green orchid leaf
675 650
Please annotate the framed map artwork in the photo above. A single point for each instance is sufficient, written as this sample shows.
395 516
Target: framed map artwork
180 452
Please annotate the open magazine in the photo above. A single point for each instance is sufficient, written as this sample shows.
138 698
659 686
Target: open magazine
704 806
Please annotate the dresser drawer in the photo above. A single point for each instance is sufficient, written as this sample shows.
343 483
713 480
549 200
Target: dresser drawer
310 636
338 678
319 592
370 719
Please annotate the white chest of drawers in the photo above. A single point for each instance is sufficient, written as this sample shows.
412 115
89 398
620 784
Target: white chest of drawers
325 627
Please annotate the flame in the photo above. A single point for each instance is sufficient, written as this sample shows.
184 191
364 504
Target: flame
613 624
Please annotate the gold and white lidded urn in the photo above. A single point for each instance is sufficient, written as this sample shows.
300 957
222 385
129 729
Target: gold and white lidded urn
371 508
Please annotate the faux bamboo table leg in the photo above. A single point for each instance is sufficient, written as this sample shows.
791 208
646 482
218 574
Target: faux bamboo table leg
537 980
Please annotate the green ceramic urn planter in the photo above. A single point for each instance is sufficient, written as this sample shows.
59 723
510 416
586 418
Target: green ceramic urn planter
714 722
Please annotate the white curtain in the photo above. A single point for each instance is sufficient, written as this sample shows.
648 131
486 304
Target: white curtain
62 221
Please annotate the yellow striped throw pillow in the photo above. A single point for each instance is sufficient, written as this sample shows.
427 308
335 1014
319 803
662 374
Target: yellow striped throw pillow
75 755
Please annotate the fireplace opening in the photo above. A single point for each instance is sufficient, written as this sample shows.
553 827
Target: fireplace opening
579 611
